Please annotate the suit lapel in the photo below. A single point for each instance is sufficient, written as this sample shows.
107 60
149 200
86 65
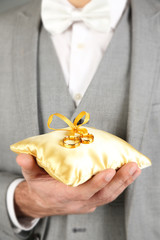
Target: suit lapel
145 37
25 65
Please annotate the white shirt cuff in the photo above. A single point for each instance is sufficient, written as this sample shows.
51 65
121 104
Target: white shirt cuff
25 223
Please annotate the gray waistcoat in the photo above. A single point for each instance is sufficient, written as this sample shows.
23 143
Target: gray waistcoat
106 100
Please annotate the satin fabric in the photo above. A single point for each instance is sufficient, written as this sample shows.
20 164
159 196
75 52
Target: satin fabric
75 166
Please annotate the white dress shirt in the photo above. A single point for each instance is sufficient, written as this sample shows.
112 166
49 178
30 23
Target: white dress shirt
76 49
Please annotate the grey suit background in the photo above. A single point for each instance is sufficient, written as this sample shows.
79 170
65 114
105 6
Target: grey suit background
9 4
19 119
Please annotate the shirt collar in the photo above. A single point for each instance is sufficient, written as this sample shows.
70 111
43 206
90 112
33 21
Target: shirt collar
117 9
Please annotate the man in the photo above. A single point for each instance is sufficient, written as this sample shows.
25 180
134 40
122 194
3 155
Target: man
122 97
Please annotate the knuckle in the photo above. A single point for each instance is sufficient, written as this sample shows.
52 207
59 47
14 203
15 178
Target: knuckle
128 182
110 199
100 196
102 199
122 179
103 196
113 197
125 184
100 184
105 200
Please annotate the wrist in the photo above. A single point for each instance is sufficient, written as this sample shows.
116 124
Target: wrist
24 201
18 223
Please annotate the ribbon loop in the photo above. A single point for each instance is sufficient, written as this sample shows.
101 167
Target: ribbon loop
74 128
65 119
80 116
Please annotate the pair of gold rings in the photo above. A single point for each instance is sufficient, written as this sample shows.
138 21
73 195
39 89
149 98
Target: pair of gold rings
75 141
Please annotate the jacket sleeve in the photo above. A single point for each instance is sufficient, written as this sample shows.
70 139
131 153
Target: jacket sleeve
6 228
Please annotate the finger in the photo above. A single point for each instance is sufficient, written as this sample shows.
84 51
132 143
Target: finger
87 190
122 179
124 176
126 184
30 169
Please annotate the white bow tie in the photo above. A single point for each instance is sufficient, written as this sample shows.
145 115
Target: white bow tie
57 16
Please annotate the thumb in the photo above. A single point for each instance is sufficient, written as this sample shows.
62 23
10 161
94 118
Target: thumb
30 169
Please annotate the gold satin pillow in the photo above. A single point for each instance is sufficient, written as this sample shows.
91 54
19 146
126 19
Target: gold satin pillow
76 165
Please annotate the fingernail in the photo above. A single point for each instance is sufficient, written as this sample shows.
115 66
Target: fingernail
108 177
132 170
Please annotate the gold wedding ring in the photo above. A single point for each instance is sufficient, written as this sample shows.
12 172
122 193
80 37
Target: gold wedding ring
71 142
87 138
75 141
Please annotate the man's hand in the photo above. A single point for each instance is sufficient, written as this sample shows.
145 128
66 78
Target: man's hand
40 195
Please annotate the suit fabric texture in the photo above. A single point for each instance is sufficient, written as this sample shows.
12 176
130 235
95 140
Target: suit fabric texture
131 112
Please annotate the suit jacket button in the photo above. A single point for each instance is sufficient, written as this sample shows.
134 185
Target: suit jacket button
36 236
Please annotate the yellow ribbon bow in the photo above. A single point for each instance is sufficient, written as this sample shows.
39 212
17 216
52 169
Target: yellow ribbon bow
77 134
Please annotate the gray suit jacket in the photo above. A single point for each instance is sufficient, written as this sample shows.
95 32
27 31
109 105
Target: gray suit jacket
19 118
